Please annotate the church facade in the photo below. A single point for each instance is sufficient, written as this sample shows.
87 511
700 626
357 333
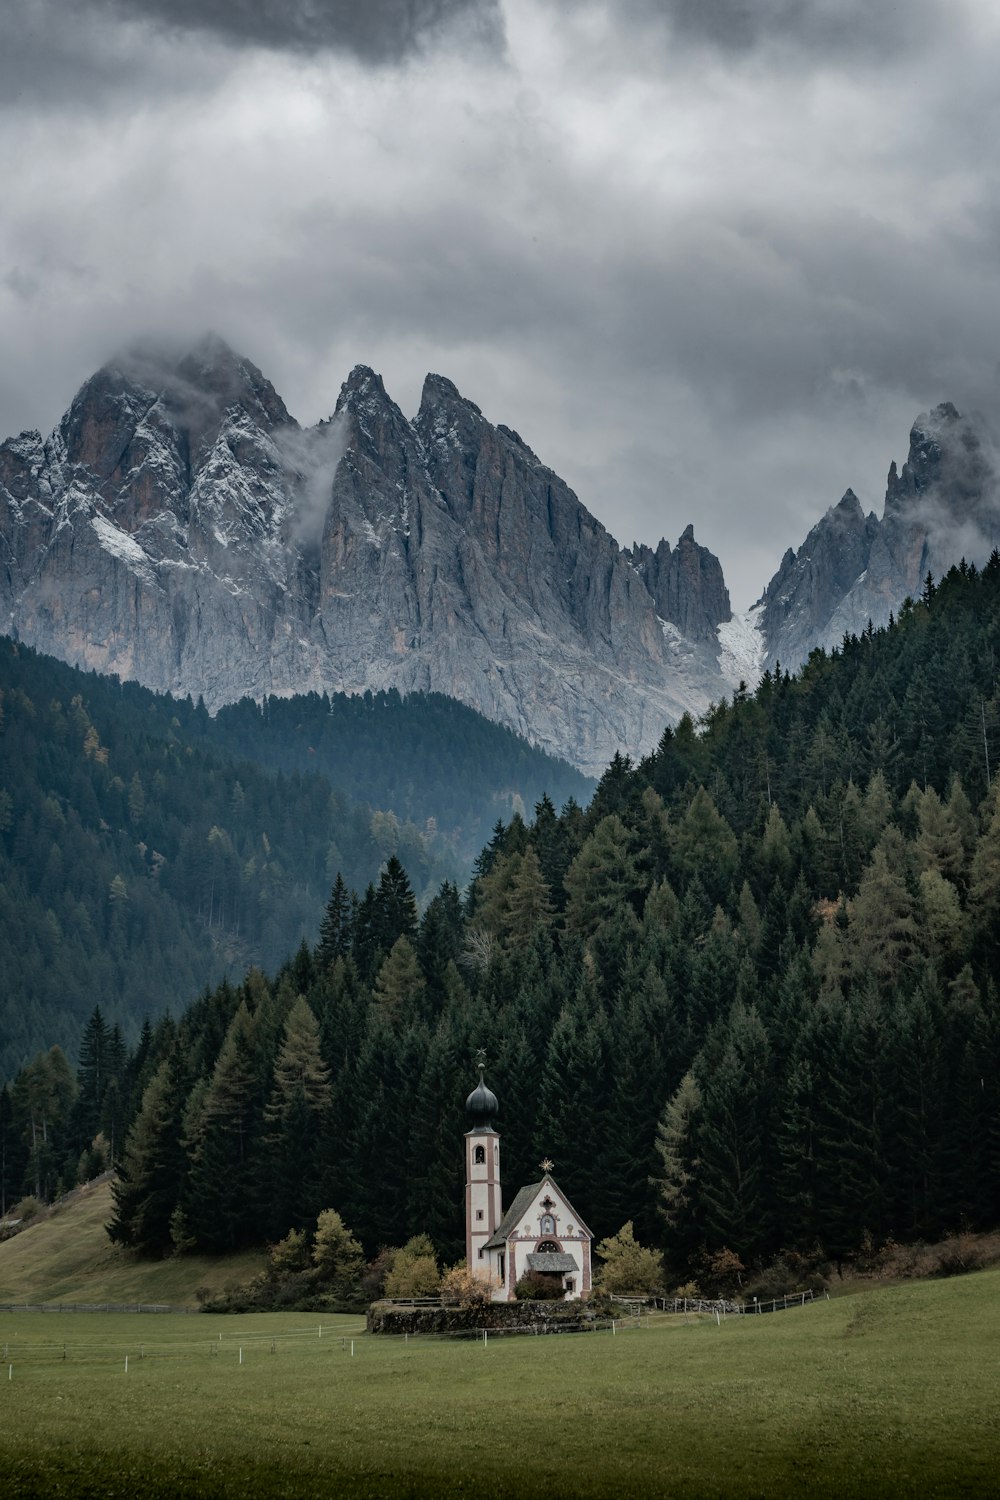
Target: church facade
541 1232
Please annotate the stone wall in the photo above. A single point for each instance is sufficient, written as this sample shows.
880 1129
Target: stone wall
501 1317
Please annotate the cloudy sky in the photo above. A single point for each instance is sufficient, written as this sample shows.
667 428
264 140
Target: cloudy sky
709 257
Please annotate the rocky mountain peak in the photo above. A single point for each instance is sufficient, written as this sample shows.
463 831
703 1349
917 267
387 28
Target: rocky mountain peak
942 505
801 602
686 584
448 420
438 390
372 425
144 425
211 379
947 462
363 383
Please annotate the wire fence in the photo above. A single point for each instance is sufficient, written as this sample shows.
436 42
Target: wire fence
736 1308
16 1351
96 1307
240 1345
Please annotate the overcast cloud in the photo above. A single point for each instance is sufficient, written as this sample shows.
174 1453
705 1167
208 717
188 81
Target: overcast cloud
710 259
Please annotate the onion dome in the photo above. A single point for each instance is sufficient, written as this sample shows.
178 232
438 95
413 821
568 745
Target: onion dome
482 1106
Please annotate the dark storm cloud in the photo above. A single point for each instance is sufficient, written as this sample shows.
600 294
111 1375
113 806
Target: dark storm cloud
376 31
54 57
854 27
102 52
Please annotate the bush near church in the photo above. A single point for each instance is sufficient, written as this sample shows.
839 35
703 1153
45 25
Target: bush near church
629 1266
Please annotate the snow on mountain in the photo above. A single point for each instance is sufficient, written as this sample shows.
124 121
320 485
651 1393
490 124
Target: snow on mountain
743 648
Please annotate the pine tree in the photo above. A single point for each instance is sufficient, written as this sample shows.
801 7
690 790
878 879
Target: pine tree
394 913
857 1111
734 1136
92 1074
336 927
705 845
677 1180
13 1155
441 936
916 1125
148 1186
938 845
602 883
222 1204
293 1122
883 938
399 984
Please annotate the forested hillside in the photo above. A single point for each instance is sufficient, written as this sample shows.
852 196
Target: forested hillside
746 999
143 853
427 757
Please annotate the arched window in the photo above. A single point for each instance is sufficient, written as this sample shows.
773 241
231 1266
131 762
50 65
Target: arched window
479 1156
547 1247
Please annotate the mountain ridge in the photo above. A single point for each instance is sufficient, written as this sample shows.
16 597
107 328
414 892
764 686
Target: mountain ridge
180 528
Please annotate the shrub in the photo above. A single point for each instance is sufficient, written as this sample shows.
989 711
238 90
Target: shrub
535 1287
290 1254
460 1288
337 1256
414 1270
372 1286
629 1266
792 1271
960 1253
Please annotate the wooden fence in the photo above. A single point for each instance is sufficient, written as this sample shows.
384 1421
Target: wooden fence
95 1307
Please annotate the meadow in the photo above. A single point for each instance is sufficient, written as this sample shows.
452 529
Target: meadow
885 1393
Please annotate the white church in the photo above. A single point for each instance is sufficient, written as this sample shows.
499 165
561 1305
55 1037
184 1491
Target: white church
540 1232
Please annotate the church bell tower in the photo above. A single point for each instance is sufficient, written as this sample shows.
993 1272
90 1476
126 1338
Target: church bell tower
482 1176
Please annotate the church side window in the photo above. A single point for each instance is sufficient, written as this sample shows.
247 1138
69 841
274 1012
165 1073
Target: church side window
480 1156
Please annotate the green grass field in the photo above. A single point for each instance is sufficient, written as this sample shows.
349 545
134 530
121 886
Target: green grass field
889 1392
67 1257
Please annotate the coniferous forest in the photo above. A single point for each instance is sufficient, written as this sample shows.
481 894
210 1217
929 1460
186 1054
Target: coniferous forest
745 999
145 846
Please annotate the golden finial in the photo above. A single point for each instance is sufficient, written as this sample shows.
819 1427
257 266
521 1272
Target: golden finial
545 1164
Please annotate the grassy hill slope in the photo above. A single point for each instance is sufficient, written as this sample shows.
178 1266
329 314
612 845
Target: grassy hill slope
67 1257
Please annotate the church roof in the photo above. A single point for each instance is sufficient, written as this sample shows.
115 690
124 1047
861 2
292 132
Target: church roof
551 1260
513 1216
519 1208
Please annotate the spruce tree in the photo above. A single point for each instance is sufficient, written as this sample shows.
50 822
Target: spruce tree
335 928
734 1130
678 1170
222 1205
150 1176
